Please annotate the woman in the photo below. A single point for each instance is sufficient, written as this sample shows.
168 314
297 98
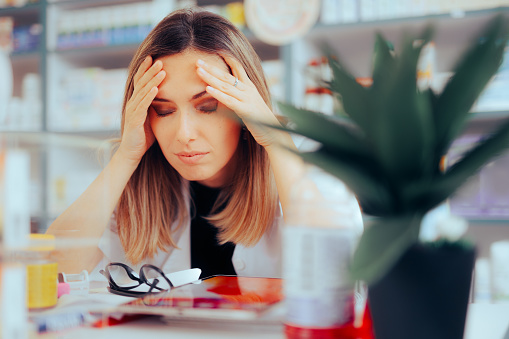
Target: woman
191 184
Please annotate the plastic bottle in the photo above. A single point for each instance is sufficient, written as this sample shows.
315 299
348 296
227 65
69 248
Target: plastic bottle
322 228
42 271
6 80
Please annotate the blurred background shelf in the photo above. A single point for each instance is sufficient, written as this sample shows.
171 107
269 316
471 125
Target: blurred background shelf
70 59
20 11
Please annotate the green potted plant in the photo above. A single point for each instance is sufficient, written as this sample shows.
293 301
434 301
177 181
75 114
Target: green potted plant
387 146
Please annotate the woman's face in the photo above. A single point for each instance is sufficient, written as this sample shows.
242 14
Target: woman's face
195 131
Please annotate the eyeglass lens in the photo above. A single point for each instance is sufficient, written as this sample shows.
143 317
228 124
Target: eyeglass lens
155 278
120 276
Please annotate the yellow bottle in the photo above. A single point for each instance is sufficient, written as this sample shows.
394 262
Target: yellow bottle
42 272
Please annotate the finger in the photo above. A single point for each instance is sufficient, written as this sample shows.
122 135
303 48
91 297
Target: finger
140 113
143 68
149 74
227 100
154 82
221 85
134 102
237 68
217 72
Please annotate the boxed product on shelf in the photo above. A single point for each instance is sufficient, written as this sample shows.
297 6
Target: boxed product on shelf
104 26
484 195
88 99
350 11
26 38
16 3
367 10
439 81
111 96
131 23
274 73
320 100
233 11
339 11
6 80
330 12
65 188
25 113
426 67
371 10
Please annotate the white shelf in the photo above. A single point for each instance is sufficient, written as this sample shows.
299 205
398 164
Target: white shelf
354 42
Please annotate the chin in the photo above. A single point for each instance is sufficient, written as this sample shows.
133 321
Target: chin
194 176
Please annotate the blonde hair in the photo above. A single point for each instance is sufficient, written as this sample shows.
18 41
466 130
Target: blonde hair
153 205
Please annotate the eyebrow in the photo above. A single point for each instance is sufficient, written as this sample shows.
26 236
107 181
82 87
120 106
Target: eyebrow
196 96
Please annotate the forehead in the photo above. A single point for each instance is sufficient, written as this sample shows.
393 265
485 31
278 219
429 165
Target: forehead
185 62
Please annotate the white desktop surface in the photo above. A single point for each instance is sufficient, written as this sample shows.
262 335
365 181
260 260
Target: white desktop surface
154 328
487 321
150 327
483 321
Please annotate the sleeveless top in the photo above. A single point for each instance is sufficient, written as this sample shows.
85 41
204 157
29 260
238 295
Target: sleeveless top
206 252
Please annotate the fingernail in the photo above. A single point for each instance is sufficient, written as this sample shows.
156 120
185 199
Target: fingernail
200 62
201 70
210 89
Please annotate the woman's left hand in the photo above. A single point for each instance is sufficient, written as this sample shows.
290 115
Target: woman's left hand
238 93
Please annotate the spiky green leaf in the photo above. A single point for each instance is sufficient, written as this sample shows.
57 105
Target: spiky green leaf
372 193
404 133
427 195
382 244
384 61
354 97
330 131
471 75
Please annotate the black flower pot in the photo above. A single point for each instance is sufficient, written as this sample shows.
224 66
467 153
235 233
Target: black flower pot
425 295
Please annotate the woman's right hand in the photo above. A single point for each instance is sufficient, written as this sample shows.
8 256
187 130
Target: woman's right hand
137 136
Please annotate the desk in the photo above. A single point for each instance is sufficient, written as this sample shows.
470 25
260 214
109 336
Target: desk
153 328
487 321
484 321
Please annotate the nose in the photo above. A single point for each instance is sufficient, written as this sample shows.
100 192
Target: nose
186 129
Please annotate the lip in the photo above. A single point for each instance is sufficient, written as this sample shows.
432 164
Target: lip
191 158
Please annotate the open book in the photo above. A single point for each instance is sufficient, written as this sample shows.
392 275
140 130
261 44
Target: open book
216 297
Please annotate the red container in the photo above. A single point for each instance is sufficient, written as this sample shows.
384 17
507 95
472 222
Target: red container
347 331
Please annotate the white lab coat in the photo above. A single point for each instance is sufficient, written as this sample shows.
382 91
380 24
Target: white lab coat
262 260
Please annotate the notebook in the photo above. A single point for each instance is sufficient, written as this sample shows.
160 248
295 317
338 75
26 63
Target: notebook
216 297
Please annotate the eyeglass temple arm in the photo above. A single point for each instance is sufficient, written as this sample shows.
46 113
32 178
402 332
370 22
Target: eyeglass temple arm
154 285
113 284
158 270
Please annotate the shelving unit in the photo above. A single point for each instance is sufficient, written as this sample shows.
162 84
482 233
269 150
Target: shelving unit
353 44
65 72
52 62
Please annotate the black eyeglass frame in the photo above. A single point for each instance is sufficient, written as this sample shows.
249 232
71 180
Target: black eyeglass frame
126 290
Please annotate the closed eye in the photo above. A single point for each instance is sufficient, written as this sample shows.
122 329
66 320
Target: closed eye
163 112
209 106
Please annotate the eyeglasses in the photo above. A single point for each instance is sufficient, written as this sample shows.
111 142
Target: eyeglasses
125 281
